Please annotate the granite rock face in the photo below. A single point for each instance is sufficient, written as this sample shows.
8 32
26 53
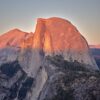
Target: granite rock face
70 81
14 82
56 36
54 63
12 38
57 79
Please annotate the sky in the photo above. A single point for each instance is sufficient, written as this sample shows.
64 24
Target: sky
22 14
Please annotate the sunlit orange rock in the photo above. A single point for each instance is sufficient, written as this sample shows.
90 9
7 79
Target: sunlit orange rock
42 58
52 36
12 38
27 42
56 34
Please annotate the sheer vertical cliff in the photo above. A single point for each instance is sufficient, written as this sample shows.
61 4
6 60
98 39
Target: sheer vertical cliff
56 36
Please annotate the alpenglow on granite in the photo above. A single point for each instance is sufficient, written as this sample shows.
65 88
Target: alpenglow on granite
36 66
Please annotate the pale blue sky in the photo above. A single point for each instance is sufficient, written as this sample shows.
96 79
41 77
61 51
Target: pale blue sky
22 14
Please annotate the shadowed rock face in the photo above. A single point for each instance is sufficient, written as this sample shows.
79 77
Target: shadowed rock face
66 81
55 51
14 82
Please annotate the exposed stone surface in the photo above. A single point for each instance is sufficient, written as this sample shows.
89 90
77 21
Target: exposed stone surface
70 81
14 82
58 79
59 36
54 63
12 38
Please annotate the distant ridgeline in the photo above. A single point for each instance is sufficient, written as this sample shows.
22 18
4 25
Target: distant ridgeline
71 79
96 54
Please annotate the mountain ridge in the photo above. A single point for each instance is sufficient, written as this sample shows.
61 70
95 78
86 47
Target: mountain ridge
12 38
52 36
53 60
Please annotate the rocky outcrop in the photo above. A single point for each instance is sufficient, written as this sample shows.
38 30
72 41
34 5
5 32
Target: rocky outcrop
10 45
58 79
69 81
72 82
53 36
40 61
14 82
56 36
